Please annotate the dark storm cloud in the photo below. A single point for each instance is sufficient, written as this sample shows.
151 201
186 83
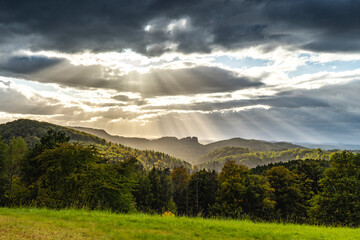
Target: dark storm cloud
28 64
154 83
333 25
190 81
72 26
127 100
122 98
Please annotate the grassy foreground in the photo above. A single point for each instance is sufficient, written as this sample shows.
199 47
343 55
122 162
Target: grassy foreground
79 224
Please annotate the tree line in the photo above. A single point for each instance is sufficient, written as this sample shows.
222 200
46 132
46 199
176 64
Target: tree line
58 174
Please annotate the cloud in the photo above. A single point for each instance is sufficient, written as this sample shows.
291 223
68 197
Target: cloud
274 102
190 81
157 82
153 27
122 98
125 83
285 100
30 103
335 119
330 26
342 98
330 113
5 83
15 102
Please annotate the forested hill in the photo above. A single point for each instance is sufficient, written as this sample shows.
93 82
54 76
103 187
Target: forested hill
148 158
188 148
31 131
216 159
255 145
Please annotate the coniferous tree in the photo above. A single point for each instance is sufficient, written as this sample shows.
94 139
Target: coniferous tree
203 186
30 166
180 181
143 195
161 190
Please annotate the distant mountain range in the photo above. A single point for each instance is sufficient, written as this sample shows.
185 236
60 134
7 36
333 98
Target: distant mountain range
329 146
171 152
189 148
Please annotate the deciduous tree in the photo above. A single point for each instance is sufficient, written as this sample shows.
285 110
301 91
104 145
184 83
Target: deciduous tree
338 202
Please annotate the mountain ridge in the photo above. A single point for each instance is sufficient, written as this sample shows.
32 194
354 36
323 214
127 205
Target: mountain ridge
188 148
166 151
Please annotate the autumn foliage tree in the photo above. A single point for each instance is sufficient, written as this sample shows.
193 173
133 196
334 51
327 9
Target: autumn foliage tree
232 190
288 194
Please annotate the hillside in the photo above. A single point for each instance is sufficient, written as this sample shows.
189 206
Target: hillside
255 145
215 160
148 158
32 131
188 148
142 142
221 153
80 224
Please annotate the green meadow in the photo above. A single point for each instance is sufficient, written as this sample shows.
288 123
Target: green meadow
81 224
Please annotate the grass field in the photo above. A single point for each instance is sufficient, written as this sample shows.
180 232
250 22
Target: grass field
79 224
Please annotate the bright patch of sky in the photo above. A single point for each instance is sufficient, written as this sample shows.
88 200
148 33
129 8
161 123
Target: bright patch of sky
245 62
333 66
34 85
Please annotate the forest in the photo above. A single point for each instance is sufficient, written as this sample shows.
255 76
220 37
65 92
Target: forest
56 173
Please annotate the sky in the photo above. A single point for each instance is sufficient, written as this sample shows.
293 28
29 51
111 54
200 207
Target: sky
258 69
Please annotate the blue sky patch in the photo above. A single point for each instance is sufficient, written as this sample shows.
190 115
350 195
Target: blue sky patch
246 62
334 66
